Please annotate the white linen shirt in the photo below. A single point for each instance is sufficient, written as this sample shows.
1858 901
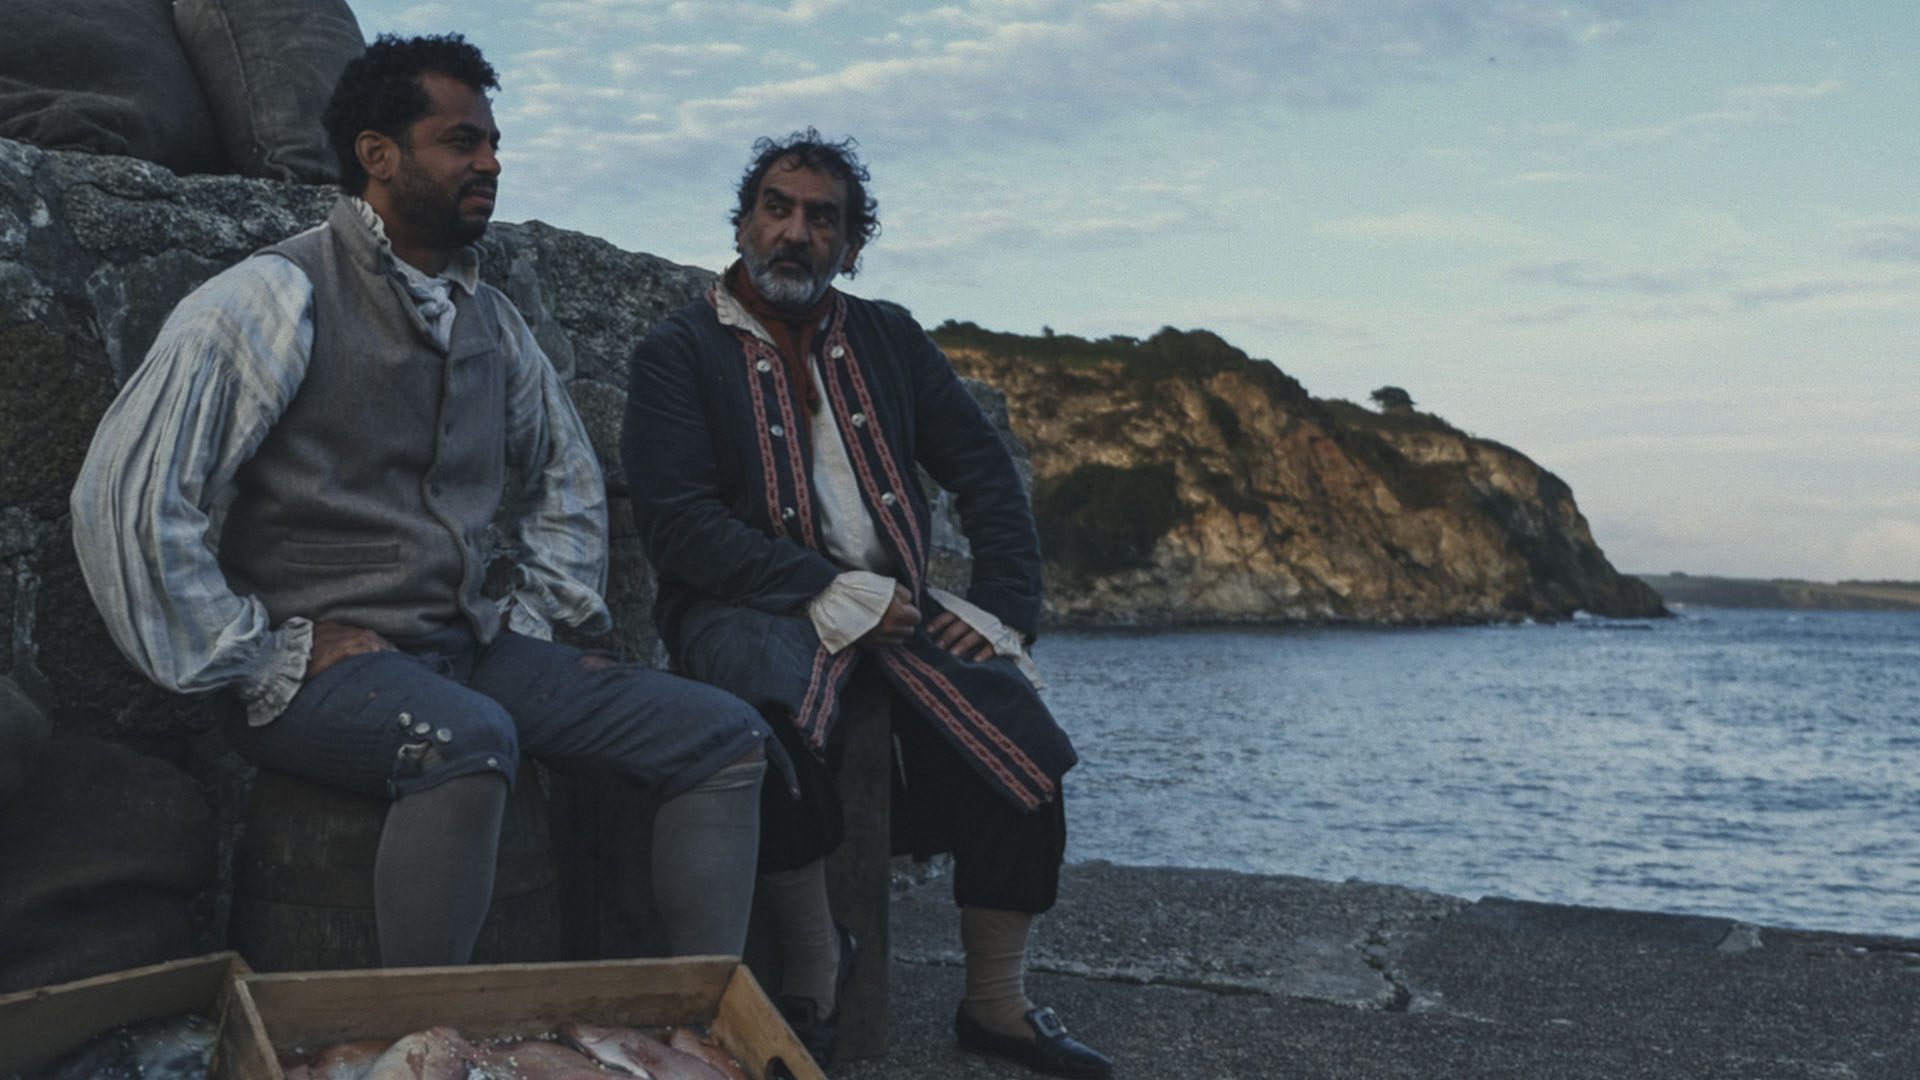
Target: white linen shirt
154 488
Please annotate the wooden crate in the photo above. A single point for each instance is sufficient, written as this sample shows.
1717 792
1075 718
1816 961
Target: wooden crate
39 1026
270 1013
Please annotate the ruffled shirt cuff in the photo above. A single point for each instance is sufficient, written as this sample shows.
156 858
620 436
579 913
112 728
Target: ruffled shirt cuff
522 619
1004 639
268 695
850 606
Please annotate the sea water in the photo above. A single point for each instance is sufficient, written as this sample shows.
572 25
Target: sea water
1758 765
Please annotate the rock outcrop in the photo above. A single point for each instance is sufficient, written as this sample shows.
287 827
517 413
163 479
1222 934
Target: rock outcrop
1178 481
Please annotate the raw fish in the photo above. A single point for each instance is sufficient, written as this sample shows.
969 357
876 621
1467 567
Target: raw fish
346 1061
689 1041
540 1060
434 1054
167 1048
638 1053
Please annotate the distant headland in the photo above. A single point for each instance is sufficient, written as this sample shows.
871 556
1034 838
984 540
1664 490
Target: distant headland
1706 590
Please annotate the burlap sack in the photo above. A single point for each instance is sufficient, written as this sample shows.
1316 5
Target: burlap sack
105 76
268 67
101 854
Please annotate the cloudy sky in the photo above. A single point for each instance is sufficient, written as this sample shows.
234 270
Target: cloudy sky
1670 249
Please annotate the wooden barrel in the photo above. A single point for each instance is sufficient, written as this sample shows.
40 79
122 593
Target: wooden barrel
303 879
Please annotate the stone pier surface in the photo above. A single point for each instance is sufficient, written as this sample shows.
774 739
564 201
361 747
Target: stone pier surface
1200 973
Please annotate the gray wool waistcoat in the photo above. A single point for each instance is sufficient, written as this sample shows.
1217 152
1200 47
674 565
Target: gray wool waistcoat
369 500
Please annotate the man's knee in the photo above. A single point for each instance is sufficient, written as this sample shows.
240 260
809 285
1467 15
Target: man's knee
447 748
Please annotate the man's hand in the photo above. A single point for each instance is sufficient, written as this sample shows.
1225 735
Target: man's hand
897 625
954 635
334 642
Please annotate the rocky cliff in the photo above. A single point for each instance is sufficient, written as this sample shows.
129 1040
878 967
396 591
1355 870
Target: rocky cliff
1177 481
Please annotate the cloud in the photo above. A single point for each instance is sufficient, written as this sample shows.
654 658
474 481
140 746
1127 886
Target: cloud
1554 315
428 18
1741 106
1888 240
1576 274
1801 291
1546 176
1042 68
1876 506
1887 548
1432 226
797 12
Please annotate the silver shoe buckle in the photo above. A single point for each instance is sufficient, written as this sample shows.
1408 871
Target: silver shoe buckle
1047 1023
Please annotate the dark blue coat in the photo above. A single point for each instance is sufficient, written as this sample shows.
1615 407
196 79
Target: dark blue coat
715 451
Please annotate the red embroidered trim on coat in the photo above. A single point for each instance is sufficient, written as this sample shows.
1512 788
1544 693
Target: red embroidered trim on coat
768 468
913 554
986 727
823 694
895 478
939 710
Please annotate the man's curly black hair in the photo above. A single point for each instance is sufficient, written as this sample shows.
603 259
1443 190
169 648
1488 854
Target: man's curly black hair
837 159
380 91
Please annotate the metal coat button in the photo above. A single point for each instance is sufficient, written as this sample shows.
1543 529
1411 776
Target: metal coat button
859 419
837 351
776 431
887 499
764 366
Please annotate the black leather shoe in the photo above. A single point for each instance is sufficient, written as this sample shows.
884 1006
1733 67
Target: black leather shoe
815 1032
1051 1050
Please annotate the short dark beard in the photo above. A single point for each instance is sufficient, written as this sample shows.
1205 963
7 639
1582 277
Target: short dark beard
427 210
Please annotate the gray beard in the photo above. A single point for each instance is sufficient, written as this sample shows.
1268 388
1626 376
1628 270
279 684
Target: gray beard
780 290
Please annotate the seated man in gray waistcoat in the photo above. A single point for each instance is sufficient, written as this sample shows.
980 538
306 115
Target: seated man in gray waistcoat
289 502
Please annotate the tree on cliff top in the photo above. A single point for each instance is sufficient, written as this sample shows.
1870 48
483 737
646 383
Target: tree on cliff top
1392 398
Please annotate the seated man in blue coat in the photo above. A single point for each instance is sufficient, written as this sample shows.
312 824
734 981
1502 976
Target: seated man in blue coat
772 433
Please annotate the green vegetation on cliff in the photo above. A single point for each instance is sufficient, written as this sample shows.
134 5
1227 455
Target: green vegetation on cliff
1185 354
1102 520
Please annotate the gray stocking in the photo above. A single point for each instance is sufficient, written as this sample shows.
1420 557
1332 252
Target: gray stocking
433 875
706 843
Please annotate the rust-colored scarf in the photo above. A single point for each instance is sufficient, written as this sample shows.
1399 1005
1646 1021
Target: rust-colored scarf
792 331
